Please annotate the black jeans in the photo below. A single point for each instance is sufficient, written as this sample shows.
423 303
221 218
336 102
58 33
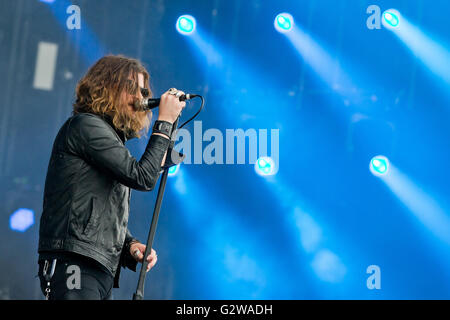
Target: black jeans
77 278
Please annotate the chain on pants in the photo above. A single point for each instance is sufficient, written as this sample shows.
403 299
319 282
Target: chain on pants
75 278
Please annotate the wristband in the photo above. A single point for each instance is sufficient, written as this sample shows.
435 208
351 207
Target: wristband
163 127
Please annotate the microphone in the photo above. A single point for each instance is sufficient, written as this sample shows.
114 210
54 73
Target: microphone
151 103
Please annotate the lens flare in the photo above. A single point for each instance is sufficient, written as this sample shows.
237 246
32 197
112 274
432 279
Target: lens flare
284 22
379 165
265 166
391 18
174 170
186 24
21 220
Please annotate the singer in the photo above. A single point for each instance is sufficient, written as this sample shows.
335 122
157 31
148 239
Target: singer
83 235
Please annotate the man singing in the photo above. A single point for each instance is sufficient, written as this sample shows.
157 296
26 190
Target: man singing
83 228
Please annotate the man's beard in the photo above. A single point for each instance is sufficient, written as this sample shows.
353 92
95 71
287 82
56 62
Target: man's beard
137 122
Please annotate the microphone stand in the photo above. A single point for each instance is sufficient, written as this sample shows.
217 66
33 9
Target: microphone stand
139 294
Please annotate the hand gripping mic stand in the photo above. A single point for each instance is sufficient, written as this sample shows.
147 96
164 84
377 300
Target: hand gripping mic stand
173 158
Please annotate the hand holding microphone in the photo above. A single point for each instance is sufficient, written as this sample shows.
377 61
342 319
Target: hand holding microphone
170 104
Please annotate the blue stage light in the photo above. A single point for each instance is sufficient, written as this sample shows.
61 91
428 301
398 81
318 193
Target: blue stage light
328 266
423 205
186 24
174 170
322 61
47 1
433 53
379 165
391 18
21 219
265 166
284 22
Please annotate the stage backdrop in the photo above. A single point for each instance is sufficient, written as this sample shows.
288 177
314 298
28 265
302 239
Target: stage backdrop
344 82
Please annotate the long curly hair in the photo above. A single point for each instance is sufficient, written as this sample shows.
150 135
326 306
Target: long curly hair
101 91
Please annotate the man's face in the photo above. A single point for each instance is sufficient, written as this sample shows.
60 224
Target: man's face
130 98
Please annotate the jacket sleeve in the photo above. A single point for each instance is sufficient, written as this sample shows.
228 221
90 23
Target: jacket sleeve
126 259
94 140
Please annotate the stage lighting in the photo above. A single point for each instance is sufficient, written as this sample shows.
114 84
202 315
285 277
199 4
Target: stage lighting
174 170
21 220
379 165
284 22
47 1
265 166
391 18
433 53
186 24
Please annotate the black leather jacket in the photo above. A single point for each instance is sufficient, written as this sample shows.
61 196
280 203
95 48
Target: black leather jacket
87 191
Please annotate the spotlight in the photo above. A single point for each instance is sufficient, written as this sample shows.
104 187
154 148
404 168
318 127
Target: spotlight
47 1
391 18
379 165
174 170
21 220
265 166
284 22
186 24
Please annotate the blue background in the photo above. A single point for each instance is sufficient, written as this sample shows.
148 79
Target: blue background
225 232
